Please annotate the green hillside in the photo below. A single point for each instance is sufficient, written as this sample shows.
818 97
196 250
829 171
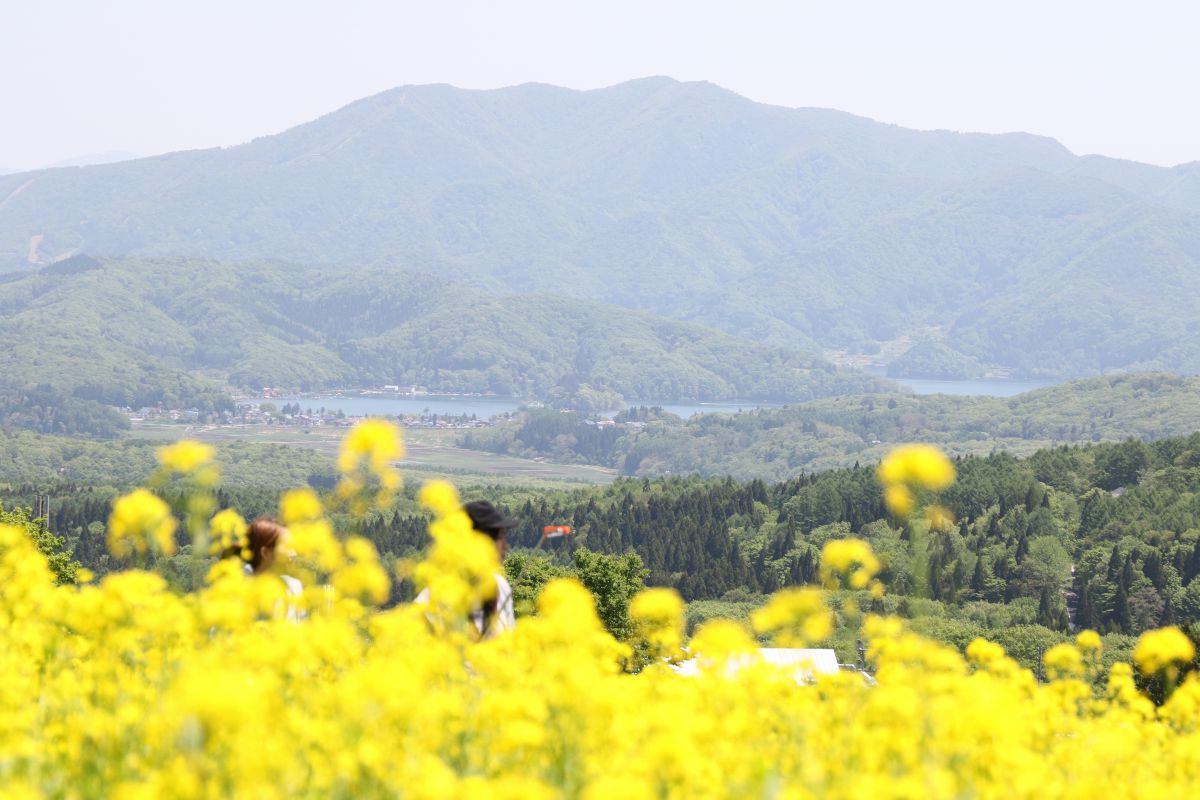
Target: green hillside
780 443
131 332
793 226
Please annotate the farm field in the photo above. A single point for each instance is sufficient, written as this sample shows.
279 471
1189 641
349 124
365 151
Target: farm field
429 452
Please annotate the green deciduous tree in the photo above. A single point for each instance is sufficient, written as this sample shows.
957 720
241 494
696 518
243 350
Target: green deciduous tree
613 580
49 545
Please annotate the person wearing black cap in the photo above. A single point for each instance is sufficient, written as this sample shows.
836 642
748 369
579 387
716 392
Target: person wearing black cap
495 615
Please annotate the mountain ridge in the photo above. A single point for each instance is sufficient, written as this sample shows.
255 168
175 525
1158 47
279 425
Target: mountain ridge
805 227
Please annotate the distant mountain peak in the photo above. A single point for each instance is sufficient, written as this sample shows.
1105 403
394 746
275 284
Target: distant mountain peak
785 225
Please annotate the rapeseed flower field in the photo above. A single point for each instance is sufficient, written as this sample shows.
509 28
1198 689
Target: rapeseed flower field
125 689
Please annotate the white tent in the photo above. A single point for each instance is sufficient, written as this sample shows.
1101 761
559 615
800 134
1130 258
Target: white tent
803 663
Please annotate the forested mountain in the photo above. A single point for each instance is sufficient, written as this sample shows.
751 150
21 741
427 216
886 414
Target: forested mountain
779 443
785 225
133 332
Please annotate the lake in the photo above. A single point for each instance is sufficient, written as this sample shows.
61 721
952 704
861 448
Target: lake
486 407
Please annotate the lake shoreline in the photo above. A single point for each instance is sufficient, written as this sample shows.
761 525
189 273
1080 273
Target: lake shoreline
367 402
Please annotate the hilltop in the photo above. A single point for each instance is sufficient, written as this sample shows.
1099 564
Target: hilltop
803 227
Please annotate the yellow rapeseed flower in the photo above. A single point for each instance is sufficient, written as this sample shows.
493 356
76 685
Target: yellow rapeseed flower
140 521
131 689
184 456
228 530
841 555
899 500
656 604
440 497
300 505
365 461
566 599
1089 641
917 465
851 558
659 613
374 442
796 617
720 639
981 651
1158 649
1063 659
362 576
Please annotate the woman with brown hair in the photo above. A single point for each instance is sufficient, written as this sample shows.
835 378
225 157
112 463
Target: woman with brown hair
265 547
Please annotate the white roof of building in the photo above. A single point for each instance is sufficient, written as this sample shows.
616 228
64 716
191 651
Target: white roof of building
805 663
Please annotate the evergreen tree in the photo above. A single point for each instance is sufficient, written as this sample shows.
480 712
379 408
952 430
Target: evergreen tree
1152 568
1121 619
1085 615
1127 572
1193 563
978 580
1114 564
1046 611
1032 499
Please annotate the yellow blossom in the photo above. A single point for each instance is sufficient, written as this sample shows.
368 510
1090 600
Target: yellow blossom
1088 641
899 500
981 651
796 617
852 558
372 441
917 465
140 521
365 460
719 639
299 505
1161 648
658 605
440 497
567 600
228 530
659 613
1063 659
131 688
184 456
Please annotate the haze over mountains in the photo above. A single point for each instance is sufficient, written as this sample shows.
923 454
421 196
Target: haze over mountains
803 227
85 160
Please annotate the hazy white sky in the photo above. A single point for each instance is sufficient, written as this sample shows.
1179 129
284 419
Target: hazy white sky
149 76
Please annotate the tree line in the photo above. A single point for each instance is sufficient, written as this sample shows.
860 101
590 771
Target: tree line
1105 536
